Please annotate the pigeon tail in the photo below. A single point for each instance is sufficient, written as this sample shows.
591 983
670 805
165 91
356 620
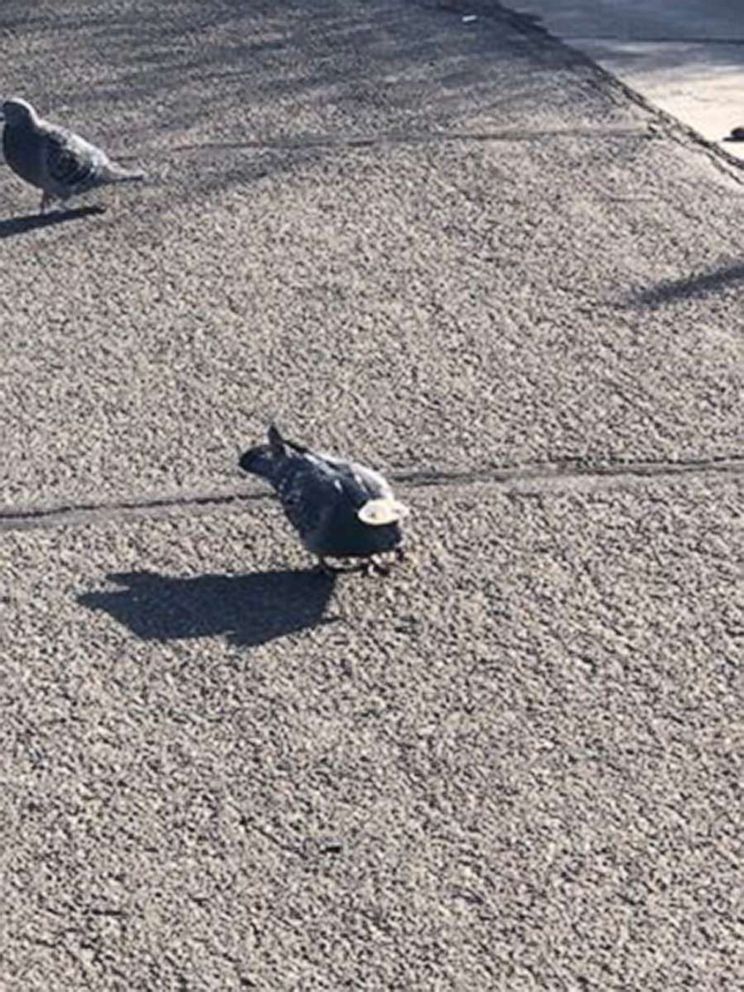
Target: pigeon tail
116 174
269 461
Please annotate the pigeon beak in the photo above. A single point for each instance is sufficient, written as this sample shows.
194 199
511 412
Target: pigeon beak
379 512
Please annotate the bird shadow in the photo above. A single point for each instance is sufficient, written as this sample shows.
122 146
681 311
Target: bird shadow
693 286
21 225
248 609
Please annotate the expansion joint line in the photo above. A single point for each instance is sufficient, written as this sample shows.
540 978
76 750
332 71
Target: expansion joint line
544 477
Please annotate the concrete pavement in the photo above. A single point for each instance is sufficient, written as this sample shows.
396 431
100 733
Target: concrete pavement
688 57
459 251
169 329
515 767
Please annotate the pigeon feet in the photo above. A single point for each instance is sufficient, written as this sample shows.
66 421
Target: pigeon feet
324 567
375 565
378 565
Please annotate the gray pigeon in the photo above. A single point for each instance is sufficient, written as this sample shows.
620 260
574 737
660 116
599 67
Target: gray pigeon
340 509
57 161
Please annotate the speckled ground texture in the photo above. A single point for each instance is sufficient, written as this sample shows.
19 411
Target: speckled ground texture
461 252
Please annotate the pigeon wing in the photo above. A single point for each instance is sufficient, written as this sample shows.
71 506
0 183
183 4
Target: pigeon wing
69 160
361 483
307 492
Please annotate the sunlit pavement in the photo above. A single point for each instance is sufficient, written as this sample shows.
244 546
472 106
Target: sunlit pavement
687 58
456 249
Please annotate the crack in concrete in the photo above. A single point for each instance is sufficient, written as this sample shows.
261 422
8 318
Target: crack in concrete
652 39
540 476
424 137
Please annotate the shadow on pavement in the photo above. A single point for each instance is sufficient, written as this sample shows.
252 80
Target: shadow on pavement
21 225
249 609
287 70
694 286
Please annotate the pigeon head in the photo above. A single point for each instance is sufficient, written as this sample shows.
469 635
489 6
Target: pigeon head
17 111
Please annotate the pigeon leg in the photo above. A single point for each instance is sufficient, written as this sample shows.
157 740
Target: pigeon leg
324 567
404 556
46 199
375 566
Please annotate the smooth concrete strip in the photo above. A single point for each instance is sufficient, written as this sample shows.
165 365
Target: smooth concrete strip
687 58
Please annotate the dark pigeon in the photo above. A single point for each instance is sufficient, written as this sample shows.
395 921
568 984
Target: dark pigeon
339 508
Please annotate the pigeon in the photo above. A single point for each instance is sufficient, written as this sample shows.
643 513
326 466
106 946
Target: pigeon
341 509
57 161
